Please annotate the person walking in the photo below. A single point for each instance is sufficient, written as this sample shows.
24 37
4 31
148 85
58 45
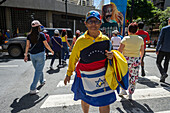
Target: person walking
119 35
48 41
7 34
146 39
65 49
56 46
74 39
37 54
115 40
163 51
132 47
91 51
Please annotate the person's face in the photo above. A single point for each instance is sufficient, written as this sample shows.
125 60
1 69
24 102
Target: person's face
93 24
114 34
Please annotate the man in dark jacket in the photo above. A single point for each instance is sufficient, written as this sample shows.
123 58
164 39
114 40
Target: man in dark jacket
163 51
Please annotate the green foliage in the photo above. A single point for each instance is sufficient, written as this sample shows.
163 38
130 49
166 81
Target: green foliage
143 10
163 17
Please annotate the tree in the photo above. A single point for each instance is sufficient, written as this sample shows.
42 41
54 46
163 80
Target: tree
142 10
163 17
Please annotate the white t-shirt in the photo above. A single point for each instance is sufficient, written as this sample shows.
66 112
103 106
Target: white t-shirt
115 42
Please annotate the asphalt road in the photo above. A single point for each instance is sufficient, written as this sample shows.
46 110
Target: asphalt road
151 96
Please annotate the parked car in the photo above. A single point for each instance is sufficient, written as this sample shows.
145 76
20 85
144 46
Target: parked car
16 46
69 33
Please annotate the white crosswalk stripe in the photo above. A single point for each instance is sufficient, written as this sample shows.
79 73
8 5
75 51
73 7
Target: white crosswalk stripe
4 66
140 94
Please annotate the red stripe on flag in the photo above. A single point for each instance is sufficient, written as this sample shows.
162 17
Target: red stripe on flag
117 72
90 66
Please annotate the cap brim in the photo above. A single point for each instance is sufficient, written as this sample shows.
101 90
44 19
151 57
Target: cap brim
93 17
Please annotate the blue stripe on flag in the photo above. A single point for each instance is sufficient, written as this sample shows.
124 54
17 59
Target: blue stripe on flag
93 75
98 91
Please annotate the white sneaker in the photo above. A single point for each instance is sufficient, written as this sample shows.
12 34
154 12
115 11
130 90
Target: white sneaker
60 66
43 82
123 92
33 92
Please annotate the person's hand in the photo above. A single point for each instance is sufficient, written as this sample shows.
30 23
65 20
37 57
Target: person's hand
109 54
61 46
52 52
157 52
67 79
26 58
70 49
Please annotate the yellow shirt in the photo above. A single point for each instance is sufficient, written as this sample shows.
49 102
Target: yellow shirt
133 45
81 43
63 39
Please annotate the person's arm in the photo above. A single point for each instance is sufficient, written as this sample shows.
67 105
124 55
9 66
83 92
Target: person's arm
160 41
148 39
121 47
112 42
142 51
48 47
67 41
73 59
26 51
72 42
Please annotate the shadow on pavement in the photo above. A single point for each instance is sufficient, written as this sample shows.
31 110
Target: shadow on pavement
25 102
147 82
131 106
51 71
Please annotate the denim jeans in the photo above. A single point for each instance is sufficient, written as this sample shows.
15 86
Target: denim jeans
38 61
54 57
65 51
160 57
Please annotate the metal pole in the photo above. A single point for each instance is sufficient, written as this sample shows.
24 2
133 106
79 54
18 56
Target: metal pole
132 6
66 11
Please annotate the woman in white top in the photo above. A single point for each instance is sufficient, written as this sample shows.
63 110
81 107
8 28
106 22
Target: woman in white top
115 40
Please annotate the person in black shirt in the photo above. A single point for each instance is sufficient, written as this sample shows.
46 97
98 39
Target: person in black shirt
38 43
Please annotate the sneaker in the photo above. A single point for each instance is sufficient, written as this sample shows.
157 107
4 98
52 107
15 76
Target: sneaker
51 67
43 83
63 62
33 92
123 92
163 77
143 73
60 66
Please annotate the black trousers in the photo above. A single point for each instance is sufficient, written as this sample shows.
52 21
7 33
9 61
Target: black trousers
163 69
54 57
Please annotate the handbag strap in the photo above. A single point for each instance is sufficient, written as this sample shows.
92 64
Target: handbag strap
36 43
57 42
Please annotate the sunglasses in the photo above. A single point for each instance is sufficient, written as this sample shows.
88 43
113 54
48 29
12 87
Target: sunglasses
93 21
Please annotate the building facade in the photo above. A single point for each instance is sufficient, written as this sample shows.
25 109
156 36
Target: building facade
18 14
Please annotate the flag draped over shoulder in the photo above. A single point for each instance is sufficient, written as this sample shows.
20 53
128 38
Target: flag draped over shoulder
117 73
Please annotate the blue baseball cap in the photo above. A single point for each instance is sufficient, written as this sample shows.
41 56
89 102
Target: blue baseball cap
93 13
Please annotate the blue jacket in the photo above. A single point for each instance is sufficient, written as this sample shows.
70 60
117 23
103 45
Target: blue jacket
164 40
